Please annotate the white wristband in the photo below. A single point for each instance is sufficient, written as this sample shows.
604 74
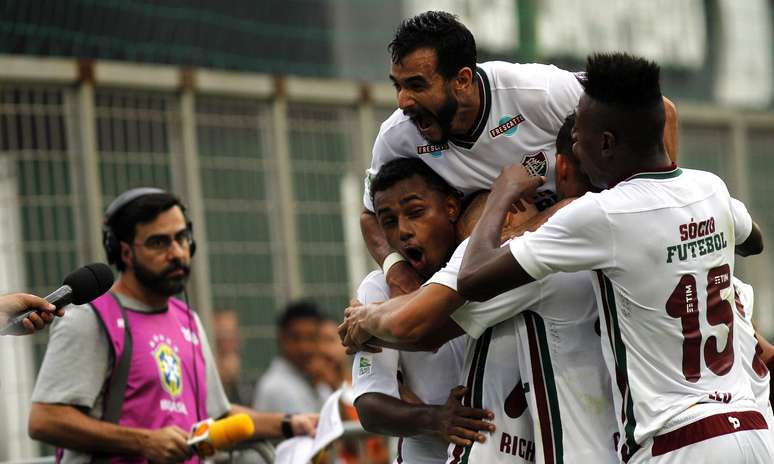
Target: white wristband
391 260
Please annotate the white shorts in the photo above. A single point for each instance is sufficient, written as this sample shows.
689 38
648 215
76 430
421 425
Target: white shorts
732 437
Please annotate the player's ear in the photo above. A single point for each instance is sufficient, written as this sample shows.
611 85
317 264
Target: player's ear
126 254
561 167
608 144
453 207
463 79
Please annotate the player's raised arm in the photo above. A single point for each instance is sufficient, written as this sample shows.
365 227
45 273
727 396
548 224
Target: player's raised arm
419 320
485 262
753 245
670 129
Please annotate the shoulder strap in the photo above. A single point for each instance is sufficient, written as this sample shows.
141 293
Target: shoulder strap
119 376
118 380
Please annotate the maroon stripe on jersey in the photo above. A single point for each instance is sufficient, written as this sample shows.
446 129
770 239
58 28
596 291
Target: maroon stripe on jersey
540 393
628 422
709 427
466 400
619 380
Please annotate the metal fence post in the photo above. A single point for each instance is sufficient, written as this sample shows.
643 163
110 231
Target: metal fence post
286 196
86 176
186 178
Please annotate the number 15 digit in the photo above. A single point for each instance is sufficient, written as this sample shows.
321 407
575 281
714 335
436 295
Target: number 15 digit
683 304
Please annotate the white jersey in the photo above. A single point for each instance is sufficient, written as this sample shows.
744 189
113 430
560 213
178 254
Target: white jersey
662 245
431 376
560 362
748 348
523 107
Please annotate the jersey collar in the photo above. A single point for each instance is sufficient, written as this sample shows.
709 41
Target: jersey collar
665 172
485 97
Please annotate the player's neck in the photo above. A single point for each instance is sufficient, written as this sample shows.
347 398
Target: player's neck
128 285
655 161
468 111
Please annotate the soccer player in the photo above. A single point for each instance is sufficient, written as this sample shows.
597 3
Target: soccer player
661 241
467 121
547 331
418 211
752 347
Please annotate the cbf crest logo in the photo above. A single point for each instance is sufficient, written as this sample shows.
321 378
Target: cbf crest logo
168 362
536 163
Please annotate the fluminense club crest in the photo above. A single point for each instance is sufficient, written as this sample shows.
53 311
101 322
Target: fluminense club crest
536 163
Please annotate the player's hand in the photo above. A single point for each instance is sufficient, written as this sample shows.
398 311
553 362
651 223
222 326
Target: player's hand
167 445
402 279
304 424
515 184
16 302
351 331
461 425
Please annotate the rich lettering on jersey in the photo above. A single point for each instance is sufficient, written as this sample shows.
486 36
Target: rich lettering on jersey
703 240
516 446
508 127
434 150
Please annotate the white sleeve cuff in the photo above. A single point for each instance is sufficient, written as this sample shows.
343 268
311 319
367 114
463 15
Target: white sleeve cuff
467 322
523 254
742 221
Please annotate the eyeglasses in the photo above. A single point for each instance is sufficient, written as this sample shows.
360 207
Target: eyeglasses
164 242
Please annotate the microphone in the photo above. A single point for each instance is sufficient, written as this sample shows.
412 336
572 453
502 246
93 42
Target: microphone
209 436
79 287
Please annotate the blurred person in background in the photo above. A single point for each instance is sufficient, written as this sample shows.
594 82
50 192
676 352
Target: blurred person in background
16 302
228 348
291 382
127 375
336 365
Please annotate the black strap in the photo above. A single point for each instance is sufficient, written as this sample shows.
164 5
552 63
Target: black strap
118 380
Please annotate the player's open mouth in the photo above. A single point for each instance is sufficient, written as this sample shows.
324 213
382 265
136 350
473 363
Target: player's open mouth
414 255
422 121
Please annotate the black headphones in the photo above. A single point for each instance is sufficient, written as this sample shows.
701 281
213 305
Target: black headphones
110 241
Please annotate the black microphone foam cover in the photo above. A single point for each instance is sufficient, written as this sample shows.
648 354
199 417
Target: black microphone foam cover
89 282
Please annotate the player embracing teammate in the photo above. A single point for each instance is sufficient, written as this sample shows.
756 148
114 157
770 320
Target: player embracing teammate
656 241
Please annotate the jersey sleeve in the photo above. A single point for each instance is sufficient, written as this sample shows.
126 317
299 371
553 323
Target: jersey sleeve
375 372
578 237
564 92
475 317
742 221
76 343
217 401
381 153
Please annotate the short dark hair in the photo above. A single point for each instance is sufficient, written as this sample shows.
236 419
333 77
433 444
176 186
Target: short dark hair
299 309
123 223
564 137
405 168
628 87
622 80
453 43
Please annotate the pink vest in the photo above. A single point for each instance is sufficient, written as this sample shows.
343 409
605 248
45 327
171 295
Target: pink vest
167 378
